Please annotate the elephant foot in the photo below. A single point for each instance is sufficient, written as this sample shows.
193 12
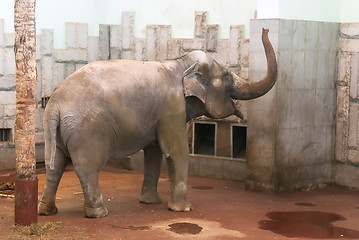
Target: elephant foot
150 198
184 206
46 210
95 212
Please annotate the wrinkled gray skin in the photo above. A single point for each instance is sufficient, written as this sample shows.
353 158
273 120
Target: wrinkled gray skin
111 109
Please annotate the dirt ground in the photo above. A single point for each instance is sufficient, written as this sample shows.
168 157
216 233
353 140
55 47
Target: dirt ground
222 210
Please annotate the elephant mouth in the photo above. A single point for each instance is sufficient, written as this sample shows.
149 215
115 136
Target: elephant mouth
237 111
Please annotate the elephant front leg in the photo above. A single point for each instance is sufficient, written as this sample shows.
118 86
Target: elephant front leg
174 144
178 172
152 169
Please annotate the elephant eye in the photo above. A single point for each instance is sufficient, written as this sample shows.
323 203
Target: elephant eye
227 75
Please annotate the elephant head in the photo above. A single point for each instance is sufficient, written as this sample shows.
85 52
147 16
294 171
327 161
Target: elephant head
210 89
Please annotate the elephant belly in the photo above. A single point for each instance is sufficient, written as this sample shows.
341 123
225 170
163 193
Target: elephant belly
127 145
112 137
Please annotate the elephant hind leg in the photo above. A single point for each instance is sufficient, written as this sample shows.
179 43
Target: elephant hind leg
94 207
87 167
152 169
47 202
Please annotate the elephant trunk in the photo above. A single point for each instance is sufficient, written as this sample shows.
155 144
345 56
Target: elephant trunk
244 90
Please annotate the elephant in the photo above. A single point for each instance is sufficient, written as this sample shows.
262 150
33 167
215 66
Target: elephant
114 108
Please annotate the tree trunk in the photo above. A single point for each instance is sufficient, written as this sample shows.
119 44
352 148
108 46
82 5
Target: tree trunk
26 82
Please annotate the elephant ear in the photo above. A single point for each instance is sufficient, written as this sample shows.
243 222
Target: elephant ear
192 83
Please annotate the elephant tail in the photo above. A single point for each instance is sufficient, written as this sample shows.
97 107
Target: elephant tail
51 123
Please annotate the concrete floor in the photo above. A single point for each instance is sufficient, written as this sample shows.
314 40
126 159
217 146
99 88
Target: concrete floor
223 210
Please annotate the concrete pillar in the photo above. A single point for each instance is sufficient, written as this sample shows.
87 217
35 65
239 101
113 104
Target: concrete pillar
115 41
164 35
127 30
151 42
104 42
212 38
235 44
291 128
200 24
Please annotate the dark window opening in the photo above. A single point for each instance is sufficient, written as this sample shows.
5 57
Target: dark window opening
239 141
44 101
204 138
5 134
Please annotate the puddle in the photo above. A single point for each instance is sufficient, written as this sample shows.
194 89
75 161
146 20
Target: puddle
202 187
305 204
307 224
185 228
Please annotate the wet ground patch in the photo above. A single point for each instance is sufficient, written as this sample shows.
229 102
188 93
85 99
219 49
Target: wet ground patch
307 224
185 228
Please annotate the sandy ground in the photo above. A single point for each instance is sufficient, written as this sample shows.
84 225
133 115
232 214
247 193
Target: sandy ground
222 210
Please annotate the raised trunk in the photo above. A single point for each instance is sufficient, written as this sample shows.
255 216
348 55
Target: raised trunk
26 81
244 90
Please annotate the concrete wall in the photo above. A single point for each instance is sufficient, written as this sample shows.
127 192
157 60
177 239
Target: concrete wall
346 166
291 129
113 42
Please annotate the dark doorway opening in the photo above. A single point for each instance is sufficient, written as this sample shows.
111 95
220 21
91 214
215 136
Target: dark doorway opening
204 138
5 134
239 141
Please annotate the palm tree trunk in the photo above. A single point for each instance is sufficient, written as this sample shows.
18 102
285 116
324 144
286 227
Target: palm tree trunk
26 81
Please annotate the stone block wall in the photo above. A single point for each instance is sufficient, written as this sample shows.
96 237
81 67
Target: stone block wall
346 166
113 42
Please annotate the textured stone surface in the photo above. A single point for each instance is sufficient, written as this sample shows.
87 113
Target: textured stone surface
346 139
140 49
175 48
127 30
7 97
2 61
212 38
2 32
200 24
93 49
164 35
9 61
235 44
151 42
70 55
47 75
194 44
47 42
104 42
349 29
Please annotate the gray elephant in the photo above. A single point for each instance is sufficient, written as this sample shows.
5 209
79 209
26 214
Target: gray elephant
111 109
